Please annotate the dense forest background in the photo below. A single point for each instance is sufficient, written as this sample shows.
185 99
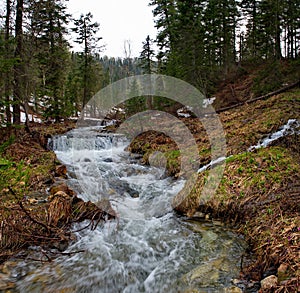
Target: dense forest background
209 44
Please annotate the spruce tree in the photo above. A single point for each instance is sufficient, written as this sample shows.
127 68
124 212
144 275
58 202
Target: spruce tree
146 56
48 28
86 31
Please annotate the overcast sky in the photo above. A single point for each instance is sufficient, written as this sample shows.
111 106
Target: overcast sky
119 20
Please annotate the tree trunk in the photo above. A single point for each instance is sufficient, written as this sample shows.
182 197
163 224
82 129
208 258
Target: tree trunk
26 110
8 72
19 66
86 66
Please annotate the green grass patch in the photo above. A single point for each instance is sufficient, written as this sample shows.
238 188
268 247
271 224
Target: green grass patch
14 179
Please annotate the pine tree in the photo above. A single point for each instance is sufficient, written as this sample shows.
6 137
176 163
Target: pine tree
189 43
136 103
146 56
48 29
8 56
164 13
221 23
270 26
250 11
87 36
291 26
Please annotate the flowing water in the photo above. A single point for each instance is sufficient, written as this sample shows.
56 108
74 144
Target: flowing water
149 249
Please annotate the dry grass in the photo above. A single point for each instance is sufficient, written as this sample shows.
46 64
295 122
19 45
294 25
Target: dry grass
260 191
27 217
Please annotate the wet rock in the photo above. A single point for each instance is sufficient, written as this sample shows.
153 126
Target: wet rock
269 271
61 246
269 283
233 289
108 160
209 238
48 180
199 215
252 286
59 194
207 274
61 187
104 205
61 171
235 281
123 188
203 275
191 291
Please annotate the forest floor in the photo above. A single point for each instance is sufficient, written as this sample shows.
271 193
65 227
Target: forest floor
259 194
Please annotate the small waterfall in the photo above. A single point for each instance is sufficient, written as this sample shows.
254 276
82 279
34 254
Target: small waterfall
84 140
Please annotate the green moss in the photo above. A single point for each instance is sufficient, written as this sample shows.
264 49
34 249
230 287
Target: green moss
14 179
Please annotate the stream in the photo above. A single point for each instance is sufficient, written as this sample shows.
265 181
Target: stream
149 248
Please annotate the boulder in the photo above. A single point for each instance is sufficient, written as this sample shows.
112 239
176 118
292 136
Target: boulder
61 186
268 283
233 289
61 171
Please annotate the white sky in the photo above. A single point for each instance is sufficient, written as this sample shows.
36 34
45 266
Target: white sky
120 20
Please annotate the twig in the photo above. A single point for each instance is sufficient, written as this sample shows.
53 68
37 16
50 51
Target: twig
32 219
27 213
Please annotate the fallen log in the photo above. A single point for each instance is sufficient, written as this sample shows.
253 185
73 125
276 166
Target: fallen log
277 92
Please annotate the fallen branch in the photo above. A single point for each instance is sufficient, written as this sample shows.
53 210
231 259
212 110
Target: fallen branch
27 213
32 219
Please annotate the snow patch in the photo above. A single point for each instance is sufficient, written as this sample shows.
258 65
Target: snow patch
207 102
292 127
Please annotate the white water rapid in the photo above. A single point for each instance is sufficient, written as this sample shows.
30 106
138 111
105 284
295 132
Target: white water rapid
150 249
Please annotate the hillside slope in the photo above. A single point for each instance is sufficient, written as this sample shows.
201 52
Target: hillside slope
260 190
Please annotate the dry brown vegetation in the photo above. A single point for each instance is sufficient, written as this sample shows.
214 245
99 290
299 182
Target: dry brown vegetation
259 192
29 215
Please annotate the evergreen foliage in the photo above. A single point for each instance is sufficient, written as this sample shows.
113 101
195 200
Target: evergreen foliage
200 41
203 41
